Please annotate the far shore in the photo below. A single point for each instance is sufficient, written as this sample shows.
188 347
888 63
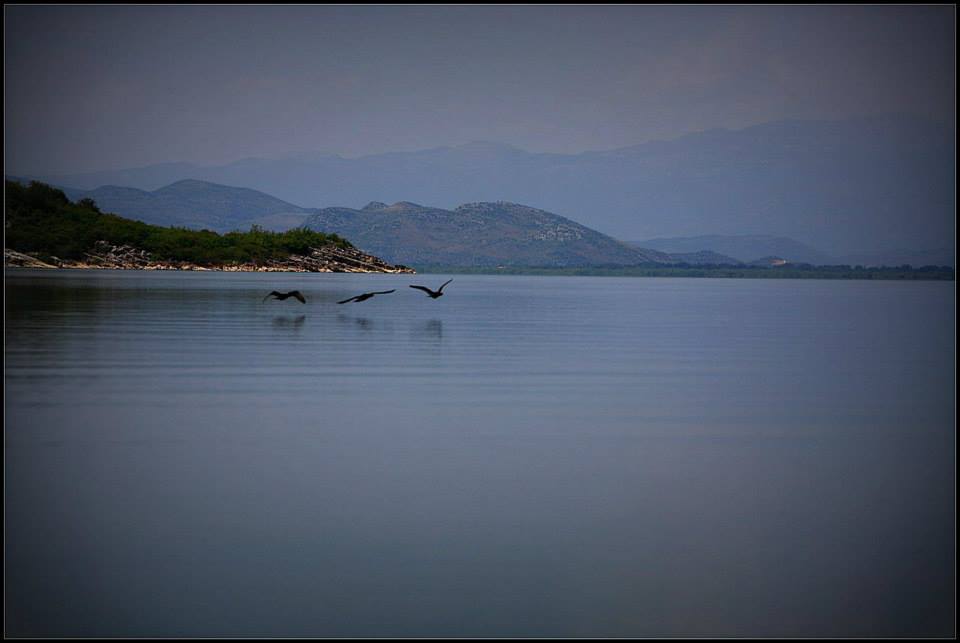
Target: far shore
787 271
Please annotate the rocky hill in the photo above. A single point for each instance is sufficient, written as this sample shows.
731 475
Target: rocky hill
477 235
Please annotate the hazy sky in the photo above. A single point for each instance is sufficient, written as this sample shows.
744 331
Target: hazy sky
96 87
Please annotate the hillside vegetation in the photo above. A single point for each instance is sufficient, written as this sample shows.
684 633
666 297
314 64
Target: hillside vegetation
478 235
42 221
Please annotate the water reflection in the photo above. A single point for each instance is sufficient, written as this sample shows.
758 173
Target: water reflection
289 321
364 323
569 459
37 313
432 330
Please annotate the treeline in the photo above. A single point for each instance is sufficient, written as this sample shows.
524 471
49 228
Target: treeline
42 221
788 271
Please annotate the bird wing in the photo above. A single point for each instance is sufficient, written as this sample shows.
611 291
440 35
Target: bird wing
346 301
271 295
440 289
383 292
299 296
423 288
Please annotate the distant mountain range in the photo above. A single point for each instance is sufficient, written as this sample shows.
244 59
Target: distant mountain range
482 234
746 248
850 186
703 258
742 248
475 235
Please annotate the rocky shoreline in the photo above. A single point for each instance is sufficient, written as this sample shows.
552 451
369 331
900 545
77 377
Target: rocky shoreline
106 256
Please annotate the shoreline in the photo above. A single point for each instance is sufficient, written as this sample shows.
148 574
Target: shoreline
204 269
328 259
532 273
791 272
332 259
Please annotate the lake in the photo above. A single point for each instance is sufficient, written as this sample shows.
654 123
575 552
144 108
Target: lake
525 456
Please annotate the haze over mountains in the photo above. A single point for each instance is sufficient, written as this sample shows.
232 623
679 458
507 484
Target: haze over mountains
196 204
847 188
743 248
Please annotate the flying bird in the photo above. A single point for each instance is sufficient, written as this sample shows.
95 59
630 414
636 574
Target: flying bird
433 293
365 296
286 295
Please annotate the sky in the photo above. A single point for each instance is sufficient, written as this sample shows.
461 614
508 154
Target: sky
103 87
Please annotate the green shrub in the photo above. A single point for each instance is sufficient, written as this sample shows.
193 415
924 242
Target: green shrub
41 220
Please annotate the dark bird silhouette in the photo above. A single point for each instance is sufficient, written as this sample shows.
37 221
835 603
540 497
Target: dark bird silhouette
286 295
365 296
433 293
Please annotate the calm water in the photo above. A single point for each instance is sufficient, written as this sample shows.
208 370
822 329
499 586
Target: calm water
526 456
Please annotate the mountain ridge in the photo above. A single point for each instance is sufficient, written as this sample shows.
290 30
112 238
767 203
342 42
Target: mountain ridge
844 186
479 234
195 203
744 248
192 203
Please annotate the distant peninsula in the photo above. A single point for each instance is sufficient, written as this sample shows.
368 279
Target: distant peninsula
44 229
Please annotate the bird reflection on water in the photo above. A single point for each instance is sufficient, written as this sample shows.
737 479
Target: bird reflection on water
364 323
289 321
432 329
